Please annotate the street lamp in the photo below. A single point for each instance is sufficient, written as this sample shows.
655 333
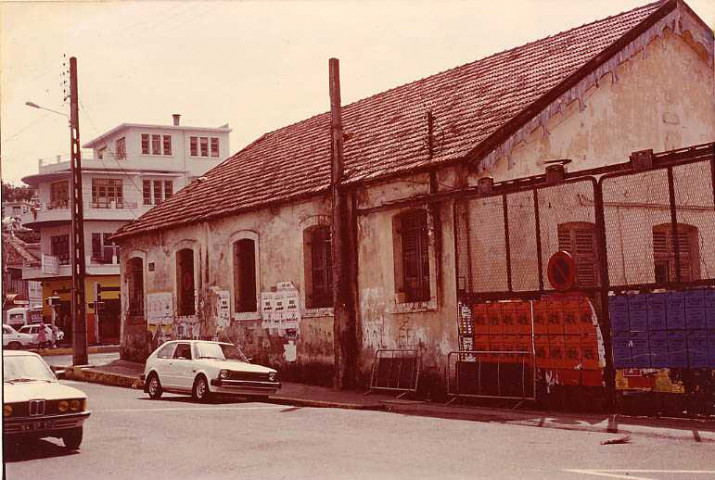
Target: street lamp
34 105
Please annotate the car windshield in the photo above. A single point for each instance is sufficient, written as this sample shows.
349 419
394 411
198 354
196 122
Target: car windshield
25 369
220 351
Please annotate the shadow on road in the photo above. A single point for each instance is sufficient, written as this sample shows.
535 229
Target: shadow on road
214 401
33 450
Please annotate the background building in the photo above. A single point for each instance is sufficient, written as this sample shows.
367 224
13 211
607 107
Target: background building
129 170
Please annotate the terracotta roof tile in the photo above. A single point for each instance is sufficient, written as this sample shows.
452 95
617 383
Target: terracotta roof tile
387 133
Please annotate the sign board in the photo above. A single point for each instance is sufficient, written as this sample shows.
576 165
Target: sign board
50 264
561 271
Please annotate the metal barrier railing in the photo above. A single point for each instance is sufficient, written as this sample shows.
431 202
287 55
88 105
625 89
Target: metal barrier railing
396 370
509 375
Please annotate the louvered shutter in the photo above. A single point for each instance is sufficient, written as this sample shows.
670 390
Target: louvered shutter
579 239
664 253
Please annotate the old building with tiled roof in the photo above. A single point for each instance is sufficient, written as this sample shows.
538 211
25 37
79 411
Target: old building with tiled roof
210 261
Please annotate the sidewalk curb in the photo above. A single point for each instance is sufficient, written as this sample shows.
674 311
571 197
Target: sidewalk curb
97 376
302 402
50 352
701 432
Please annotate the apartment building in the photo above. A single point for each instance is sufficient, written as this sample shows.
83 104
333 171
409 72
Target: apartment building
126 172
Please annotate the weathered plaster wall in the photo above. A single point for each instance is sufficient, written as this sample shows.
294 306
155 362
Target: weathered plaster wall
278 232
660 99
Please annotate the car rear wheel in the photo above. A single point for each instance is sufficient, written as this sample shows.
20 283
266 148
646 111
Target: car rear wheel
201 392
14 345
72 438
153 387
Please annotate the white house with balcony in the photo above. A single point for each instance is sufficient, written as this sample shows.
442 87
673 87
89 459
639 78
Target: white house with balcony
126 171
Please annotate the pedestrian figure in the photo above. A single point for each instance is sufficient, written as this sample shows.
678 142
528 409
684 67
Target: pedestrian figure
54 329
41 335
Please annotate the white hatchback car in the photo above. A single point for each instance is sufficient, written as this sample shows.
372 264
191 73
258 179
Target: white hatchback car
36 405
202 368
12 339
34 330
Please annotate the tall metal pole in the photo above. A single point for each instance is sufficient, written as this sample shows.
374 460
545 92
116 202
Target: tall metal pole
341 315
79 324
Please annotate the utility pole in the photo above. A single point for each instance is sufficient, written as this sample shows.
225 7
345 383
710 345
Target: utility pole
79 319
341 315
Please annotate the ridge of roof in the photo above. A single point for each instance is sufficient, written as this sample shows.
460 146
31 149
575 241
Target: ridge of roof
283 154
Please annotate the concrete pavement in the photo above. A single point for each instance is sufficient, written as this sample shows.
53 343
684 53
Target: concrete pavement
126 374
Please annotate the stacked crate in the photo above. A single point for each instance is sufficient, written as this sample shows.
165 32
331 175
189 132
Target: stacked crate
664 330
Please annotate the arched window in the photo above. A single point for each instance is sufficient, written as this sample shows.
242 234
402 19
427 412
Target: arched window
579 239
185 292
244 275
664 253
318 267
411 254
135 286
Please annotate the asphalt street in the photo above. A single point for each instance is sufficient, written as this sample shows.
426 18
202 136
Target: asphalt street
129 436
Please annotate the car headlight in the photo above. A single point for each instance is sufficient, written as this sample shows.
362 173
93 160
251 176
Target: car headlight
272 376
63 406
7 410
224 374
76 405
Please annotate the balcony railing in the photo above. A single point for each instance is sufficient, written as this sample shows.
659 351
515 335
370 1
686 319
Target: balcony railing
65 203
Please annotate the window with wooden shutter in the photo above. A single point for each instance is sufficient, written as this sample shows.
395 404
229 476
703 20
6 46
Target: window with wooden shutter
413 233
664 253
135 280
319 244
579 239
244 264
185 294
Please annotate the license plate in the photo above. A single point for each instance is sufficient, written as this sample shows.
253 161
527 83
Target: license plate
39 425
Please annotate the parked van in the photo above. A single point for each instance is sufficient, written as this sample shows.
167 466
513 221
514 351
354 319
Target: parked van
20 316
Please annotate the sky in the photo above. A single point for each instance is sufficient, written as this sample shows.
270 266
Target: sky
256 65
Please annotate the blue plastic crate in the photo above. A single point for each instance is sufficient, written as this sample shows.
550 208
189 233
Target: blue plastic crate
698 349
695 318
638 312
618 313
677 352
675 310
656 311
695 299
710 317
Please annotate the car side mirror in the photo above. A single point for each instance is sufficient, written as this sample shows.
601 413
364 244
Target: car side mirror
59 372
250 359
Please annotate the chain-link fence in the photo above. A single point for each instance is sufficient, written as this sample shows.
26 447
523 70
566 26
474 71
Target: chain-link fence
642 239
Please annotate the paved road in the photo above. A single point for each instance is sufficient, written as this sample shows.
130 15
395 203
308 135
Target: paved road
95 359
132 437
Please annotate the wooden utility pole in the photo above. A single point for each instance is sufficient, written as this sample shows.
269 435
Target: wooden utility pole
343 326
79 323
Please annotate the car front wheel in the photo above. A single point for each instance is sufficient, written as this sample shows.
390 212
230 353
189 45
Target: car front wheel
72 438
14 346
201 392
153 387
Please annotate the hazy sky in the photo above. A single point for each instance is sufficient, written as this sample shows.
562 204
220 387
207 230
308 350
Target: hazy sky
255 65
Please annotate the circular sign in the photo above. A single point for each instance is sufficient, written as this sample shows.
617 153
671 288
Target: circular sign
561 271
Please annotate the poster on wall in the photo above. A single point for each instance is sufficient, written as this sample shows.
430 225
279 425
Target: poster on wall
280 310
159 308
220 302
